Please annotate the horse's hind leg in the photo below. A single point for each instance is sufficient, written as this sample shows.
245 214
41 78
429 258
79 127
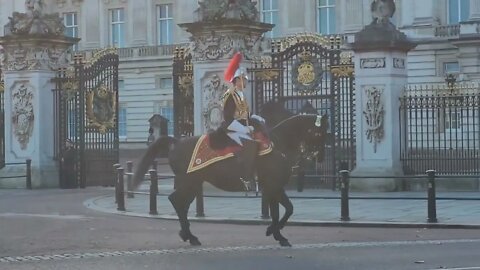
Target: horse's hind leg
181 199
287 204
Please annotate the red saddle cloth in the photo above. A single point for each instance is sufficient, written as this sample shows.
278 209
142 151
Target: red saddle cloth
203 155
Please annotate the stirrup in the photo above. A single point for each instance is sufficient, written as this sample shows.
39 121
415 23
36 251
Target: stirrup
246 185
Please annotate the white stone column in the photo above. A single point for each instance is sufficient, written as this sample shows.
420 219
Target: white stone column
29 125
214 46
209 86
474 10
380 77
30 63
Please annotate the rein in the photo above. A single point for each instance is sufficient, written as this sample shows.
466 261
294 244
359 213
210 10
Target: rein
302 153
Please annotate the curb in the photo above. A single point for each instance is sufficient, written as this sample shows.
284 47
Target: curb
90 204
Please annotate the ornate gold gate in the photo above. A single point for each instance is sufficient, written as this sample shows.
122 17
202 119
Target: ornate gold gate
183 93
310 73
86 110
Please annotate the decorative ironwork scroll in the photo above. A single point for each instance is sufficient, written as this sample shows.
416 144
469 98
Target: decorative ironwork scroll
101 104
345 68
307 73
374 113
183 92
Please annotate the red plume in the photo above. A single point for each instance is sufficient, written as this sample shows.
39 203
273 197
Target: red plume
232 67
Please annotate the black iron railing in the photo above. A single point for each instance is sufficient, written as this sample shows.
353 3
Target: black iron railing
28 172
440 129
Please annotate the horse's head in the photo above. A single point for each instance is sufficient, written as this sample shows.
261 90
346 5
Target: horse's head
303 133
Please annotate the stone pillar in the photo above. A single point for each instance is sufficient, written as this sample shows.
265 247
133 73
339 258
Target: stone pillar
380 77
216 37
474 10
34 48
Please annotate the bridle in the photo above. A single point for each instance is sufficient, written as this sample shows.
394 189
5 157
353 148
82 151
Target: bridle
302 150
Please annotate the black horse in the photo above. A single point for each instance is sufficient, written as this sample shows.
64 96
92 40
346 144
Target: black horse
276 112
273 170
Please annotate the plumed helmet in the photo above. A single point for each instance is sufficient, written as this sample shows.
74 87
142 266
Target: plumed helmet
234 70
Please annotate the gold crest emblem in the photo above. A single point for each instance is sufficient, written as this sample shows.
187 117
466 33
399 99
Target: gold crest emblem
101 108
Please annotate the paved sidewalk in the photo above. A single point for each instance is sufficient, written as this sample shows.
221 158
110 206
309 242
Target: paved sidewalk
312 207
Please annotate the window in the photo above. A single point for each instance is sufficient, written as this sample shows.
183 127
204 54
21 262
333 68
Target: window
452 120
121 85
270 15
458 11
164 83
326 17
165 24
117 28
451 68
71 26
166 111
122 120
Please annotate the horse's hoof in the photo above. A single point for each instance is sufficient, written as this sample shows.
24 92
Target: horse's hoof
194 242
285 243
269 231
183 235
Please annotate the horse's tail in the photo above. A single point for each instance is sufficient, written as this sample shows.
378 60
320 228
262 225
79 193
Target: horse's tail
161 145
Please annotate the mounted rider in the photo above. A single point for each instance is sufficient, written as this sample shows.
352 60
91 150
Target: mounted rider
237 119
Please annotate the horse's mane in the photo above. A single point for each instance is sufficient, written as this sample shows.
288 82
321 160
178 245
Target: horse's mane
275 112
291 118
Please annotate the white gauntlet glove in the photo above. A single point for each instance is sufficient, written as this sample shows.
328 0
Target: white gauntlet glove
258 118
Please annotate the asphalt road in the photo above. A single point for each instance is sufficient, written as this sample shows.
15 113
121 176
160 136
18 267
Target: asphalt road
51 229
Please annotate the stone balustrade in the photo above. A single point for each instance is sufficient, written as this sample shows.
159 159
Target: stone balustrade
447 30
141 52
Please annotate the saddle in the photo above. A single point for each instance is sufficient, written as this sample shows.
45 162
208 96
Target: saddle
208 150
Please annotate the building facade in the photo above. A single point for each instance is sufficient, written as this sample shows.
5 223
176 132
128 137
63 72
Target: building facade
146 33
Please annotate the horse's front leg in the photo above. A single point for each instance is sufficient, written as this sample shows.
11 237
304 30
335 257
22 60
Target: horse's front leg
274 227
181 199
287 204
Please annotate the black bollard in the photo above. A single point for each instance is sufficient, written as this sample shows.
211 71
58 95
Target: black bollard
265 208
130 179
153 192
121 190
115 167
199 202
432 204
29 174
345 215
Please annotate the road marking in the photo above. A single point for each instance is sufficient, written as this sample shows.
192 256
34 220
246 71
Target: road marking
54 216
194 250
462 268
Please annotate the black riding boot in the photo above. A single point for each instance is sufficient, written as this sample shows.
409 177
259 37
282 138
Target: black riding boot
247 157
